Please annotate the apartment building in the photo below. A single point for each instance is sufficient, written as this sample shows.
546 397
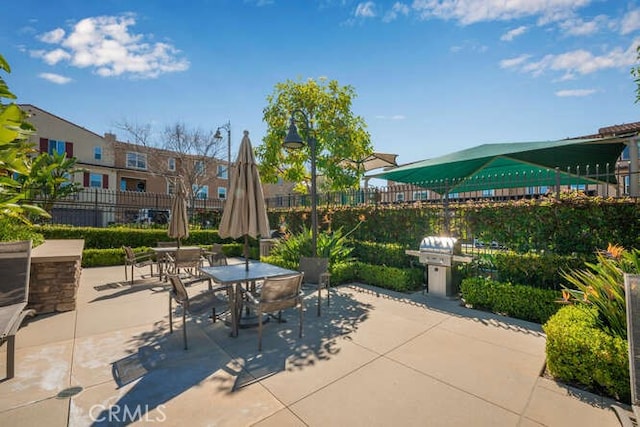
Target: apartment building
116 173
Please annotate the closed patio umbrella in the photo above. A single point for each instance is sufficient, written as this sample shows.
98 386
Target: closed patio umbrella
245 213
179 223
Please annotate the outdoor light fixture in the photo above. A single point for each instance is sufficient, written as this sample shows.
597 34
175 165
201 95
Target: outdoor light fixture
218 137
294 141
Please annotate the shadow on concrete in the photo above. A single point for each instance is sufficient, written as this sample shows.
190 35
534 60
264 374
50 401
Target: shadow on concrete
160 370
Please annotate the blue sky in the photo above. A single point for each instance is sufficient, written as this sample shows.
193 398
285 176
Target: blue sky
432 76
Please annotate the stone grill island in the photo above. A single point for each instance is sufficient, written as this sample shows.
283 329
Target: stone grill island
55 275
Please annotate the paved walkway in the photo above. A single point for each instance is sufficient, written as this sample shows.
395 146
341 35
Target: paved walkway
372 359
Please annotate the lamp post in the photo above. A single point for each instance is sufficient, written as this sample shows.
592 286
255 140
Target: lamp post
293 140
218 136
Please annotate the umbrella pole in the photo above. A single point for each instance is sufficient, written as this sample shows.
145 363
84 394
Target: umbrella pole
246 252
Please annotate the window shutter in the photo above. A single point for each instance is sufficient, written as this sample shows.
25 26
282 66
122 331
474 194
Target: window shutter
105 181
86 179
44 145
68 148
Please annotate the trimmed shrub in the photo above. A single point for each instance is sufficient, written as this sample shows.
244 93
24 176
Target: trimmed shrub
389 254
519 301
533 269
579 352
397 279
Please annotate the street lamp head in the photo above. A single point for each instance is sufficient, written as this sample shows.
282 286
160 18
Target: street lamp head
218 135
293 140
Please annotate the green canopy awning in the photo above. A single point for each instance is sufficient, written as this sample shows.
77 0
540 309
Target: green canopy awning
514 165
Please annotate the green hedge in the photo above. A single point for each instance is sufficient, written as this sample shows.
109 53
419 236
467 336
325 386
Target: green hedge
109 257
537 270
115 237
576 223
397 279
519 301
578 352
389 254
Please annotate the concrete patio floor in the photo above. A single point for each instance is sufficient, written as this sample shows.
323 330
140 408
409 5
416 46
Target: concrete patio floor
373 358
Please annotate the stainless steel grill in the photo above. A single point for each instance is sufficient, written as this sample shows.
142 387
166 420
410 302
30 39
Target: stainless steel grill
439 255
436 250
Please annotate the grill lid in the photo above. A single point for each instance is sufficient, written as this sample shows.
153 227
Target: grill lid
443 245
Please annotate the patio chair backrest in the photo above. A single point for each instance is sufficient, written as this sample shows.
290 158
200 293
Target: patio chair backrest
313 267
15 264
188 258
129 254
281 289
179 291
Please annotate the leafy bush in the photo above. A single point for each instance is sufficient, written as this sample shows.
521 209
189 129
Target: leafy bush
12 230
333 245
602 286
519 301
102 257
579 352
397 279
535 269
115 237
389 254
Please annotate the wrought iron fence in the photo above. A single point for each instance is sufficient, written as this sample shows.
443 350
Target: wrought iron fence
101 208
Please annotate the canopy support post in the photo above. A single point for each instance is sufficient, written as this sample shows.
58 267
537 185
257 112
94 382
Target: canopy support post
634 185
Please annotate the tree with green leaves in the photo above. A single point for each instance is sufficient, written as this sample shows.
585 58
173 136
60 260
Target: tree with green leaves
635 72
340 135
50 179
15 151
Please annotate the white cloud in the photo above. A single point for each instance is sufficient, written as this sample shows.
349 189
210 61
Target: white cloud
394 117
578 61
514 62
630 22
55 78
471 11
397 9
366 10
55 56
54 36
578 27
512 34
575 92
106 45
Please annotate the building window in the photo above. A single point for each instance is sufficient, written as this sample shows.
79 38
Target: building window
222 193
198 167
123 184
56 147
223 172
95 180
171 164
488 193
627 183
97 153
136 160
171 188
201 192
400 197
420 195
454 195
625 154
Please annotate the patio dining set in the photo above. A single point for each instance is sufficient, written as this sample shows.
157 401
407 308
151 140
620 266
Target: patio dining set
241 294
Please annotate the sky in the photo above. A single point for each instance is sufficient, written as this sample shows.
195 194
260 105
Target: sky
431 76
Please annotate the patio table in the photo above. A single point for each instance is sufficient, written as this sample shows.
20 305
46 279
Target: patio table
235 276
